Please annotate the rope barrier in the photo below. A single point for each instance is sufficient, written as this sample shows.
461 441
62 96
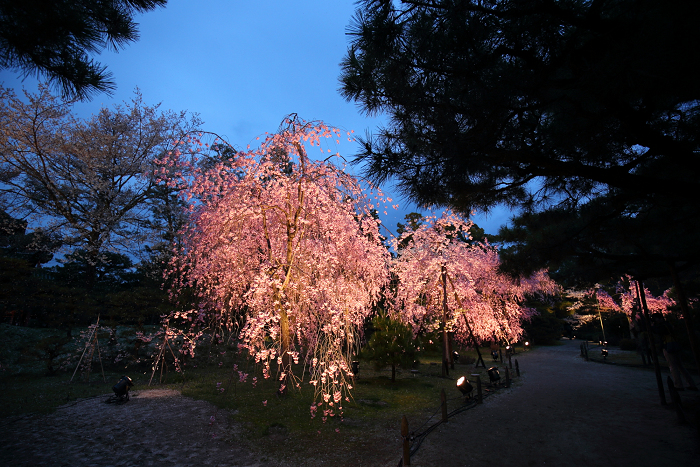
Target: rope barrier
416 439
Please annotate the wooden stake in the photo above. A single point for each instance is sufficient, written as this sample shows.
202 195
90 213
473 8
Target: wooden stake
93 335
406 445
443 405
479 396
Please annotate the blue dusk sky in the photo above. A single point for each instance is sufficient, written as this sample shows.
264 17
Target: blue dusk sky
243 66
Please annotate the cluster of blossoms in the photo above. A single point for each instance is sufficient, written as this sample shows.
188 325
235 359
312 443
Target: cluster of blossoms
629 300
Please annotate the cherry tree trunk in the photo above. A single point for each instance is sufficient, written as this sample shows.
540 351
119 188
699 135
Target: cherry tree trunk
285 344
445 337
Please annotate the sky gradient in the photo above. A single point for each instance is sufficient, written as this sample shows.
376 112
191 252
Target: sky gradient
242 66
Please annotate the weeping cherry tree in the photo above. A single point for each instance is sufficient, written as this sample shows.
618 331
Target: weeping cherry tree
286 246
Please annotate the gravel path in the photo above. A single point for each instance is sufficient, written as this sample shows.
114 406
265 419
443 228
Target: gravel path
155 428
567 412
564 412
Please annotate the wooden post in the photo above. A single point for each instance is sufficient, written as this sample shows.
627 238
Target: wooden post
406 445
676 398
443 405
479 397
510 360
500 355
507 378
517 368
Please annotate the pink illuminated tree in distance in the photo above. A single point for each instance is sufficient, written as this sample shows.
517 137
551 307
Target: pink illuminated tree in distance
287 246
447 283
628 290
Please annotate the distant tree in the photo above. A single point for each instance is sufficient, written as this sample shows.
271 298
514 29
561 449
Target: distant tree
413 221
53 39
445 282
391 344
112 269
36 247
87 181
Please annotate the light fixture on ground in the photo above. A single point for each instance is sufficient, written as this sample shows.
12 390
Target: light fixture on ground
493 374
465 387
605 354
455 356
121 389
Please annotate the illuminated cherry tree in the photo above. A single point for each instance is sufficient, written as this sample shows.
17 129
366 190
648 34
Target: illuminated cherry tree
286 246
628 290
447 283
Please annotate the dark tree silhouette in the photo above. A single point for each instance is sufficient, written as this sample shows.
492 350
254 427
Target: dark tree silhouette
53 38
582 114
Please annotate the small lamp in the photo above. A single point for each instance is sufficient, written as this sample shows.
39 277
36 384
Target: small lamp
355 367
121 389
493 374
605 353
464 386
455 356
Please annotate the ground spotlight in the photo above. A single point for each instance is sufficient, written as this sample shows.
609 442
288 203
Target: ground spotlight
121 389
493 374
464 386
455 356
605 353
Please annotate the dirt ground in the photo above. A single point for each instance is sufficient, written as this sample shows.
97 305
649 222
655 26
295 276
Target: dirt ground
564 412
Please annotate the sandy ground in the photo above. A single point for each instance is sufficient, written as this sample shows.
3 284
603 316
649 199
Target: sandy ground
564 412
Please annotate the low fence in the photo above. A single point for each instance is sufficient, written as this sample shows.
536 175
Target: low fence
412 440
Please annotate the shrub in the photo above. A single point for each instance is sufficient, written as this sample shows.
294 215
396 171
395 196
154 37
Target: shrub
391 344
